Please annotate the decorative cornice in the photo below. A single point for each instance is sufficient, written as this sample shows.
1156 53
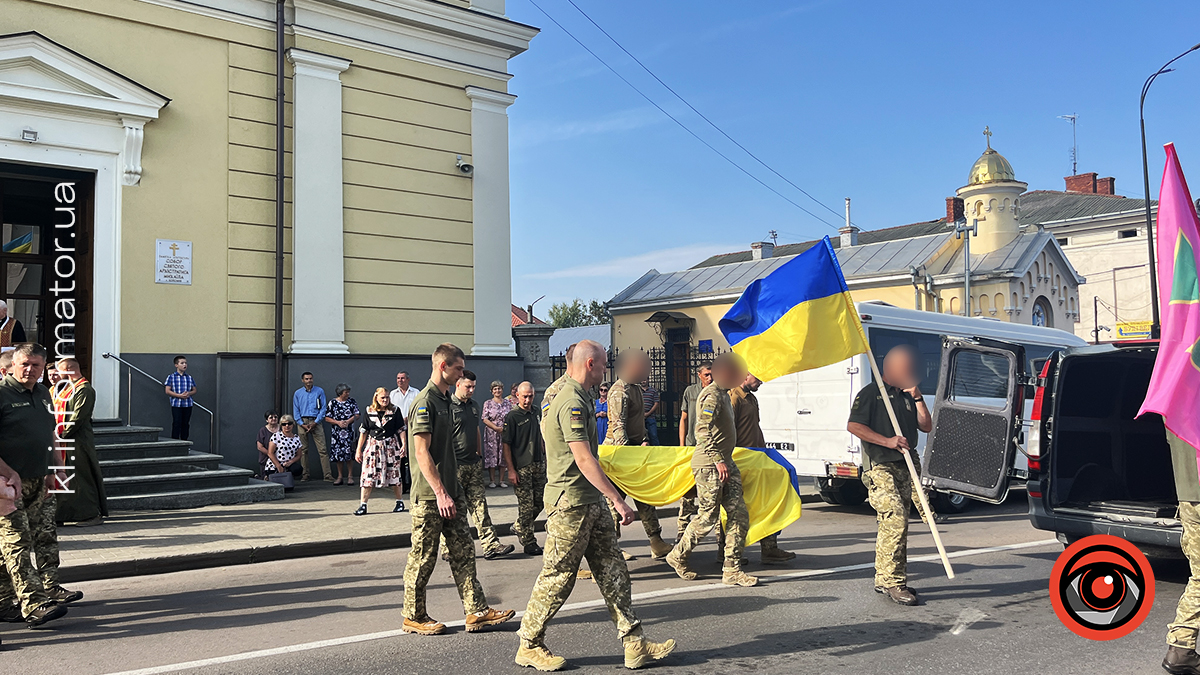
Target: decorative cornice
318 65
490 100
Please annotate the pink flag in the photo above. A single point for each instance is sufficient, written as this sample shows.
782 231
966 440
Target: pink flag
1175 386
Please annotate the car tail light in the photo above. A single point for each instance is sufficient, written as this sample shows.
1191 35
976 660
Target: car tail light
1034 448
1036 494
844 470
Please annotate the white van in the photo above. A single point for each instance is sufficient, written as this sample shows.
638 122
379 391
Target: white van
804 415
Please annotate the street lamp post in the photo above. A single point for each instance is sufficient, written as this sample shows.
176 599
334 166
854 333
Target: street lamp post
1155 326
961 231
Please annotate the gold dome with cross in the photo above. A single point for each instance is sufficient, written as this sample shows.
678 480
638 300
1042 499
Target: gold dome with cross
991 167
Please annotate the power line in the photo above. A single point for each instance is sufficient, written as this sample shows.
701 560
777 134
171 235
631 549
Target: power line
676 120
702 115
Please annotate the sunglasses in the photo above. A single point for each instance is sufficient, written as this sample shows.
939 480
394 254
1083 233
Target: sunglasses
289 424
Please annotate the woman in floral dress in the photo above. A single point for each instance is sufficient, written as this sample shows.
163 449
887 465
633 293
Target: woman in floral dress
494 411
341 413
381 449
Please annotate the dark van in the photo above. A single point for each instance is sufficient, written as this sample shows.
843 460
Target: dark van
1094 468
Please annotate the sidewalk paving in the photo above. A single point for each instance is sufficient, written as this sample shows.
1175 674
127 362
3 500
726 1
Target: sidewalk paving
316 519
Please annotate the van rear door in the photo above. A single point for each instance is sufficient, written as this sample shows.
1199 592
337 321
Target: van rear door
977 417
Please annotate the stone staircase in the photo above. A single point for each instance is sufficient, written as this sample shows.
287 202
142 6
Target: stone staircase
143 471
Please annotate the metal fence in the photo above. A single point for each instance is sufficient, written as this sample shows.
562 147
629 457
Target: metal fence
672 369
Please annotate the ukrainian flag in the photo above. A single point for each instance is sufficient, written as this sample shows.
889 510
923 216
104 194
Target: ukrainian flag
22 244
796 318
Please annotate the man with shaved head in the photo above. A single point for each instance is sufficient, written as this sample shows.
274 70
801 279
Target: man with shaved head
525 456
578 525
627 426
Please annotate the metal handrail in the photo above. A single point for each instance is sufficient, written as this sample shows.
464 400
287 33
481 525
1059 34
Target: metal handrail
212 437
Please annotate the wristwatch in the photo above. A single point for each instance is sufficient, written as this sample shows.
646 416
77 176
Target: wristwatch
918 400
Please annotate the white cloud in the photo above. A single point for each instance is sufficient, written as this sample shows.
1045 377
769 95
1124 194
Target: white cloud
531 134
632 267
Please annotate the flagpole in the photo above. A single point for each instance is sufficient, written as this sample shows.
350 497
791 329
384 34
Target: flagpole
912 469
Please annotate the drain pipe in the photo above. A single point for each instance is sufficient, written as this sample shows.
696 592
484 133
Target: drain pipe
279 121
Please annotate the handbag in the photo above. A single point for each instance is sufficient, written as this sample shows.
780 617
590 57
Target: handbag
284 478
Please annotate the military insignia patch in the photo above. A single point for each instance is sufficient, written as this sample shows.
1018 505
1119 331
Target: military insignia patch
706 412
577 418
422 413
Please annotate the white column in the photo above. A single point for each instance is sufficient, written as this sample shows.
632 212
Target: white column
491 240
318 272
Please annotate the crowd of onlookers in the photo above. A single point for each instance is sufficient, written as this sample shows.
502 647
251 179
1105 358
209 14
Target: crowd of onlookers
371 439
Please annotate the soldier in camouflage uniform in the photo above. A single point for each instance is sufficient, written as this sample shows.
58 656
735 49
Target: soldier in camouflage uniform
26 434
525 456
627 426
747 419
578 526
687 439
718 481
1181 656
46 557
464 414
439 508
885 473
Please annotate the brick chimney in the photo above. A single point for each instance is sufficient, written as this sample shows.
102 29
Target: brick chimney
1106 186
1084 183
761 250
954 209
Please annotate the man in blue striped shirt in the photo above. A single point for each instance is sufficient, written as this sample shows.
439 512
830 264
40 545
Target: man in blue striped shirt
308 407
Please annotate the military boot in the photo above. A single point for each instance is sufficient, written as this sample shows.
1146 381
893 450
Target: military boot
62 596
736 577
776 556
659 548
44 614
539 658
490 617
423 626
638 652
681 567
1181 661
901 595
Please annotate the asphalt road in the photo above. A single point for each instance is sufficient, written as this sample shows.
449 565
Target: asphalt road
341 614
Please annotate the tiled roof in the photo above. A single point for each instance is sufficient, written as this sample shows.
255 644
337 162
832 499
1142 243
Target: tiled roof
520 317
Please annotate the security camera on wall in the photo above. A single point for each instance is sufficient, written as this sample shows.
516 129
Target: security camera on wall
465 168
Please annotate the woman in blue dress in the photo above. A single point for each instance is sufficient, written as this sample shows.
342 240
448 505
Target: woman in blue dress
341 413
602 412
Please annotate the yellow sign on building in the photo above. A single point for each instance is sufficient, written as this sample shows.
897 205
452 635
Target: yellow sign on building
1133 330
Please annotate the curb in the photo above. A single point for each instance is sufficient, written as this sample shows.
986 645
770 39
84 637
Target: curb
258 554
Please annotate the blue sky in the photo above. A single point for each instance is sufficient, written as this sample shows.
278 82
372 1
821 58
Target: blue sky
883 102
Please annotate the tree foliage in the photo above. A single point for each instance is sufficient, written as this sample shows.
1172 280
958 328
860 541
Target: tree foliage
576 313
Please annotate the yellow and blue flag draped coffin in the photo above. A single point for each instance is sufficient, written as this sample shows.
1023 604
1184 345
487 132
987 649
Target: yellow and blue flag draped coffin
662 475
798 317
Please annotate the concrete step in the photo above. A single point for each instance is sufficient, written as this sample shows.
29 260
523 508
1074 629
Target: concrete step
141 466
116 435
249 491
184 481
159 448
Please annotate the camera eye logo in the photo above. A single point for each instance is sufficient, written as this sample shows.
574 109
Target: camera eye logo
1102 587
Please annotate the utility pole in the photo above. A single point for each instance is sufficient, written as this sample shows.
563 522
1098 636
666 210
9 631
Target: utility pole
1096 320
961 231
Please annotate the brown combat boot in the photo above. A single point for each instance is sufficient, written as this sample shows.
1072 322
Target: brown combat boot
680 566
736 577
486 618
901 595
659 548
776 556
423 626
638 652
539 658
1181 661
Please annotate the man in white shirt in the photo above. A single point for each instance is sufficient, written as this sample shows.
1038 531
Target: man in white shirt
402 397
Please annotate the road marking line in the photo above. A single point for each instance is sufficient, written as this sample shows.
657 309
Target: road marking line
588 604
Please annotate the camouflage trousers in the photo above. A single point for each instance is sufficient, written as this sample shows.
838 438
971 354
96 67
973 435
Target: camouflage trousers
687 511
45 548
916 501
572 534
19 531
889 486
530 490
1182 632
711 497
428 526
646 513
470 476
769 542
